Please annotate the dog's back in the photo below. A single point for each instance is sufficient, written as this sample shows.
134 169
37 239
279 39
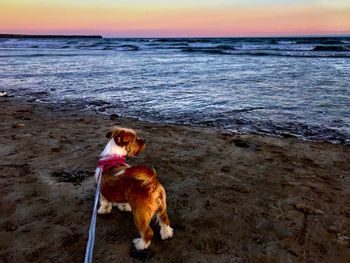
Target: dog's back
119 185
145 176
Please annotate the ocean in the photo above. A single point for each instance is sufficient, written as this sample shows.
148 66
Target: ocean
277 86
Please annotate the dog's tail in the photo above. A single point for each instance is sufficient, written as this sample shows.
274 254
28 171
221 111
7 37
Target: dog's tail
142 173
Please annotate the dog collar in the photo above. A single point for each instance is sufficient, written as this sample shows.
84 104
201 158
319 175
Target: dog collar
114 161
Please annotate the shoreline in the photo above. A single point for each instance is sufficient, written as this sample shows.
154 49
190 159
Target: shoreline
101 110
231 197
49 36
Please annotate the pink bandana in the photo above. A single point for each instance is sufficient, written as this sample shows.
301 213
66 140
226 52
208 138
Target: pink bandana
114 161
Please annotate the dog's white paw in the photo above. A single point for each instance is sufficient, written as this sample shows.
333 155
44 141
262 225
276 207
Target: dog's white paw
104 209
140 244
124 207
166 232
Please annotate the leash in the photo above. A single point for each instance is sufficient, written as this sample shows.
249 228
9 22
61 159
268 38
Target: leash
90 245
102 165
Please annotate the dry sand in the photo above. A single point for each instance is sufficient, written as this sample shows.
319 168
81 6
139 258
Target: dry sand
231 198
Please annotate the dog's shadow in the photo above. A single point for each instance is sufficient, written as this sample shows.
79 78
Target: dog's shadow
142 255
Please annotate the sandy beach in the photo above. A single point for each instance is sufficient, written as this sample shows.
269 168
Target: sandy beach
231 197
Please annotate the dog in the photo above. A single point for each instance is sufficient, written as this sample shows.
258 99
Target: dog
133 189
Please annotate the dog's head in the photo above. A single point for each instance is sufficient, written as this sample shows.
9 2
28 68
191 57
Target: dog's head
128 139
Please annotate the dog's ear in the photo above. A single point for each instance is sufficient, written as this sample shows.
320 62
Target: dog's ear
124 138
112 132
109 134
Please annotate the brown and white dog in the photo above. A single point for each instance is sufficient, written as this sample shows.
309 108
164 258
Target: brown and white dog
133 189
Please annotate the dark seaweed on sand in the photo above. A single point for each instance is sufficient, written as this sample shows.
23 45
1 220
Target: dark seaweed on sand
76 177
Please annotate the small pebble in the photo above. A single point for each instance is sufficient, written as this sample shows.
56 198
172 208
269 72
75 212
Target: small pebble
19 125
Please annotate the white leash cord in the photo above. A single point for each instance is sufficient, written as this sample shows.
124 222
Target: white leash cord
90 244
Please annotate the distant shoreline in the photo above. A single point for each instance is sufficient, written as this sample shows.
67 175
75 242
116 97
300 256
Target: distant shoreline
47 36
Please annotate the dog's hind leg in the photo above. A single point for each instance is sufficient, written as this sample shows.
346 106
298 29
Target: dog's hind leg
162 217
105 206
142 220
165 230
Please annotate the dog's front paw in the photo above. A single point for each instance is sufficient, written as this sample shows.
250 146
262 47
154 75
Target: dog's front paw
124 207
140 244
104 210
166 232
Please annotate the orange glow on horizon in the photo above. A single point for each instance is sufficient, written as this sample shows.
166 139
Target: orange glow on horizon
152 22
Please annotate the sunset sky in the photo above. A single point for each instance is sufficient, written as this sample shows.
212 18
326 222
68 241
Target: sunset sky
176 18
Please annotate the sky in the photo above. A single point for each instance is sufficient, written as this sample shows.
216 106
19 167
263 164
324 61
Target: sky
176 18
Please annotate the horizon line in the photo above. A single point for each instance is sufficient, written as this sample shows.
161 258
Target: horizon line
168 37
7 35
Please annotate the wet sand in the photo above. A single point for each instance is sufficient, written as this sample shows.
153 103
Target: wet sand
231 198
